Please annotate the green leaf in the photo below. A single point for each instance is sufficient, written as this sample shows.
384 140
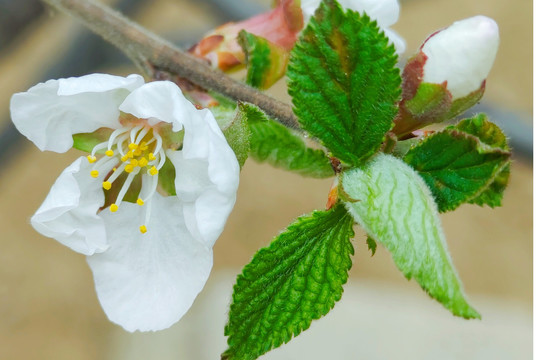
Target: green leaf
281 147
462 104
458 166
87 141
266 62
492 135
430 100
295 280
166 178
235 128
488 132
343 82
493 195
396 209
372 245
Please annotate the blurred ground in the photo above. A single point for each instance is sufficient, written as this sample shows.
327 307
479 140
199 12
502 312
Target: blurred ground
48 306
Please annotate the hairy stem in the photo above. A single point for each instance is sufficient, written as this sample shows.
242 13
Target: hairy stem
148 50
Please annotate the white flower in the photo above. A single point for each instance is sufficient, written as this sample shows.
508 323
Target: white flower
385 12
462 55
150 253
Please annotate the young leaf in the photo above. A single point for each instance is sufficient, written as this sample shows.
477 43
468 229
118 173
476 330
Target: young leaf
488 132
87 141
493 195
396 209
458 166
281 147
492 135
343 82
372 245
266 62
295 280
235 128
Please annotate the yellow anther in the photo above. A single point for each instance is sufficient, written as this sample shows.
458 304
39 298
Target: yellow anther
94 173
151 156
128 168
114 169
113 207
143 162
140 202
153 171
137 152
134 162
91 159
130 154
124 158
132 146
109 153
143 229
106 185
143 146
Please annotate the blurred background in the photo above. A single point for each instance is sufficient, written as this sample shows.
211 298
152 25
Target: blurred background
48 307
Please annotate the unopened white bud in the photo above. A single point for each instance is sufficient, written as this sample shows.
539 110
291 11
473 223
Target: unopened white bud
462 55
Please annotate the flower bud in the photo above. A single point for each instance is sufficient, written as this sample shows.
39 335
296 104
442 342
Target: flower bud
447 76
280 26
462 55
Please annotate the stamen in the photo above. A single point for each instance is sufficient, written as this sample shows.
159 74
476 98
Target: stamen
134 131
100 146
140 202
114 135
141 135
132 146
125 187
151 188
113 207
116 173
91 159
153 171
143 229
162 159
147 215
129 168
102 164
107 185
109 153
158 143
119 143
143 162
151 156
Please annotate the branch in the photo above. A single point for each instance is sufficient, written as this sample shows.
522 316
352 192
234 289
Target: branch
144 47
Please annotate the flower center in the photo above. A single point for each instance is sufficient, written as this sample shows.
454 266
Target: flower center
132 150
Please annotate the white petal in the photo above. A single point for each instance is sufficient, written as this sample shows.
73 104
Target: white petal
49 113
160 101
397 40
462 55
207 177
309 8
68 214
386 12
147 282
